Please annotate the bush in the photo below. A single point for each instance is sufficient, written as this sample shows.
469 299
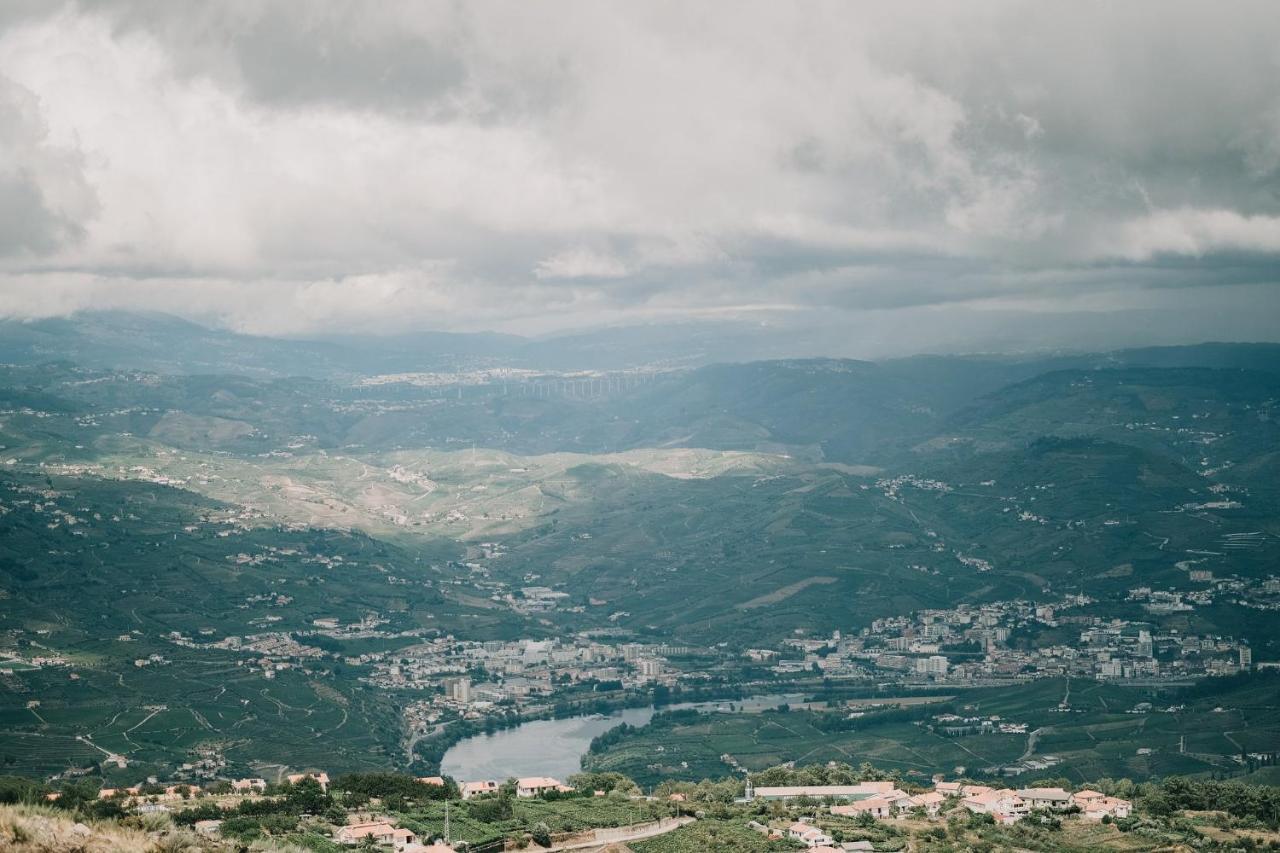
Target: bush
491 809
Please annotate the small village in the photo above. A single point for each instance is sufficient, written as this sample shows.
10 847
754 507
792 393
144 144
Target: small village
819 818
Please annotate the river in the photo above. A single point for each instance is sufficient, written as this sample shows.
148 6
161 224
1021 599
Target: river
555 747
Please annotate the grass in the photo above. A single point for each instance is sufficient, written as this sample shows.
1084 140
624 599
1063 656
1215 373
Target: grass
711 834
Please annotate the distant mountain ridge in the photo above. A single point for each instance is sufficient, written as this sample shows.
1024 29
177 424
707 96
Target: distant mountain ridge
167 344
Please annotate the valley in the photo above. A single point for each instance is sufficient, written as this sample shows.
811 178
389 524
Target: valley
262 569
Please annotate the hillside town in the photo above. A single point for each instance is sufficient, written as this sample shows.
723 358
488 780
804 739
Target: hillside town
815 817
966 645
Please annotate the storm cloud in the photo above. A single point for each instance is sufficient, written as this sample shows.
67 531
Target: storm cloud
303 167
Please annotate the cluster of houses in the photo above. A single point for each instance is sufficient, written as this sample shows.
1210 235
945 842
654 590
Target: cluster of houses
884 800
918 647
879 800
527 787
1009 806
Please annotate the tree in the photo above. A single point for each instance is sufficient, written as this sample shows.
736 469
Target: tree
307 797
15 789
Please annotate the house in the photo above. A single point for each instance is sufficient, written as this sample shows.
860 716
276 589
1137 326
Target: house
320 776
536 786
1085 797
1046 798
878 807
108 793
431 780
208 828
380 831
948 789
244 786
809 836
900 800
1004 805
479 788
971 790
1101 807
930 802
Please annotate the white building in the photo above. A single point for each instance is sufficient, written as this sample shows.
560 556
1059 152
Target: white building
536 786
809 836
1004 805
478 788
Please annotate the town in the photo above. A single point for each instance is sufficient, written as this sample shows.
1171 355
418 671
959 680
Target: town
386 810
964 647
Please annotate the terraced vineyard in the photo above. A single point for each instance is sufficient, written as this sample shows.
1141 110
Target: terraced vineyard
1096 734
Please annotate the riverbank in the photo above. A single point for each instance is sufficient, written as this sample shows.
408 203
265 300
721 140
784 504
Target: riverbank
490 751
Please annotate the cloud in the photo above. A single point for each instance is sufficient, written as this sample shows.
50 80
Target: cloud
580 263
45 201
1196 232
290 166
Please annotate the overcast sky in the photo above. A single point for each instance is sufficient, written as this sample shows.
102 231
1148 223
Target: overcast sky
303 167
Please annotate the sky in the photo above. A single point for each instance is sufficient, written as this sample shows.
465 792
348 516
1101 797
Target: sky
905 173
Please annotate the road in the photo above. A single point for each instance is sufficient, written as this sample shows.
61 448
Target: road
621 835
1031 743
414 738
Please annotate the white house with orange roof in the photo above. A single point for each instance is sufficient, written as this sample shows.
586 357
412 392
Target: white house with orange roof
1083 798
131 791
1004 805
245 786
479 788
880 806
319 775
536 786
808 835
1098 808
948 789
380 831
1053 799
931 802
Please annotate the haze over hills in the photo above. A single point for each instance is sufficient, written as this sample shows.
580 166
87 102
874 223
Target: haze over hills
166 343
161 524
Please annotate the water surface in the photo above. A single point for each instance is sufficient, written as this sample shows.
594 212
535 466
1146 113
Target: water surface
555 747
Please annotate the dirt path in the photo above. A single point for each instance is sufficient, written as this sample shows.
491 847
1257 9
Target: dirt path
1032 737
144 719
622 834
784 593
